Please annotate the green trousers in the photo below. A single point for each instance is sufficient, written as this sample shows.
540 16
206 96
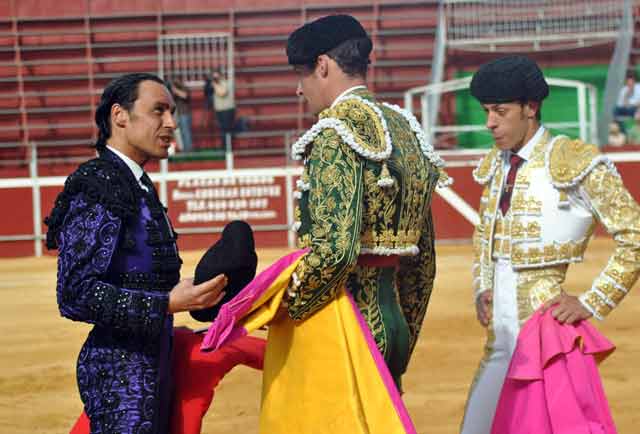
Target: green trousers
374 291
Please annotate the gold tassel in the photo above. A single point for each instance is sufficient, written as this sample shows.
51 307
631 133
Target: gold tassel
385 179
564 199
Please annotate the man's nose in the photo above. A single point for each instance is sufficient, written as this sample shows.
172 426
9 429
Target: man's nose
299 90
491 121
169 120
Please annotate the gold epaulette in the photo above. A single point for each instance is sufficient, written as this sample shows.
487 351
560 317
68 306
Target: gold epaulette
364 120
569 161
487 167
361 125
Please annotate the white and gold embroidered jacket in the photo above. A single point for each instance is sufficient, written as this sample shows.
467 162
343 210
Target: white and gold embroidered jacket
559 195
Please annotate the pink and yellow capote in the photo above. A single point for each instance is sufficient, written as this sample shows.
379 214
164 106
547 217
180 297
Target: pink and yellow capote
321 375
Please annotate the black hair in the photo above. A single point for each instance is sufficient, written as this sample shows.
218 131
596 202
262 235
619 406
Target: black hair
524 102
352 56
124 92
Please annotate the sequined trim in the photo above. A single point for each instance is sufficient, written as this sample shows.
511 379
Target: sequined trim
548 255
298 149
487 167
387 251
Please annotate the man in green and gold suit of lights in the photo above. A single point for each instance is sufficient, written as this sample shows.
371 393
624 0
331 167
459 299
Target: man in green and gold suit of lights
365 193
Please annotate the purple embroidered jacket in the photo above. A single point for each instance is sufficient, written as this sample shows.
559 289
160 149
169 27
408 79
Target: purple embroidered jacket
117 262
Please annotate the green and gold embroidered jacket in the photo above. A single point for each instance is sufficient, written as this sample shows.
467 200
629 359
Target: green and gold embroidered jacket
559 195
366 189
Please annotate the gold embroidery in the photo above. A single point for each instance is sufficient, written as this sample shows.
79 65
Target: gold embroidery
484 171
610 290
517 230
620 215
569 159
537 155
363 284
536 287
563 198
522 180
346 210
617 273
330 219
415 282
389 240
534 206
385 225
518 203
304 241
535 255
534 230
550 253
597 304
362 121
499 226
564 250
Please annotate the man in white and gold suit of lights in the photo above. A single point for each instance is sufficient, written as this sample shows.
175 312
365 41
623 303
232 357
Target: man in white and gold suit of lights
542 198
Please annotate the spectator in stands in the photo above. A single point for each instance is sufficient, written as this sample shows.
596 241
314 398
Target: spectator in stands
182 97
224 104
616 137
541 200
628 101
633 136
118 262
364 213
209 104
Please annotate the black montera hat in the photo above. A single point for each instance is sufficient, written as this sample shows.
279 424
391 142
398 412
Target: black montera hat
234 256
508 79
319 36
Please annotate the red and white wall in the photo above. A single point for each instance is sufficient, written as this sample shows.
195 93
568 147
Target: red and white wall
200 202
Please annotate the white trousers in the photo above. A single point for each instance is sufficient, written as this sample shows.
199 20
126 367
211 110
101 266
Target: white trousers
483 399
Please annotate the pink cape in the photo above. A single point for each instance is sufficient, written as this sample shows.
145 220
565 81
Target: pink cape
225 327
552 385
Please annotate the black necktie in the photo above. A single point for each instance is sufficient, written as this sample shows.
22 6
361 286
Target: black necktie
146 181
151 189
156 207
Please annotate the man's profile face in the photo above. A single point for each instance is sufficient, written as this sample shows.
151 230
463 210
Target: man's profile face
310 87
150 127
631 81
509 123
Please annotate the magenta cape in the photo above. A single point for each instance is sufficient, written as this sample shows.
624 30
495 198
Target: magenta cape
552 385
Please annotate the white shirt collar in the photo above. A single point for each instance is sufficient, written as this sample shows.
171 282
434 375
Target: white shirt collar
343 94
526 150
135 168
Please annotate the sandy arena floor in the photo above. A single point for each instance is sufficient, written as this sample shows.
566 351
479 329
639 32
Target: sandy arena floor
38 392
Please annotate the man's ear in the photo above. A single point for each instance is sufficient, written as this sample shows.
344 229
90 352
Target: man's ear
119 116
322 66
533 108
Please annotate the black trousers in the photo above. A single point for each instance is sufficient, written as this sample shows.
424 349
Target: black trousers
226 120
